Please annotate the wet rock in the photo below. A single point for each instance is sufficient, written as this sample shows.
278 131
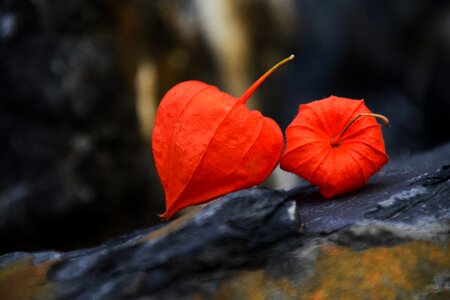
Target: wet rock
388 240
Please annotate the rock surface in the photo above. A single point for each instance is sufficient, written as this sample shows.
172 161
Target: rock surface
389 240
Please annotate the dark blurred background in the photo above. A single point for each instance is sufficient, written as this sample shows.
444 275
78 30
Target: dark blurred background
80 82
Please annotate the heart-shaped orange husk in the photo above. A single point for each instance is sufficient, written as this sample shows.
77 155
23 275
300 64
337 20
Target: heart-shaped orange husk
206 143
335 143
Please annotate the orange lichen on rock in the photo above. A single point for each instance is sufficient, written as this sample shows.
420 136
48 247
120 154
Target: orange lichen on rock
25 280
404 271
377 273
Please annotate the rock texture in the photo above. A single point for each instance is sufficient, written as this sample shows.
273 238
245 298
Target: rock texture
389 240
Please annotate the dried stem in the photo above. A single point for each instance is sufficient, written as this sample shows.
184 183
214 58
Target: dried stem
254 86
335 141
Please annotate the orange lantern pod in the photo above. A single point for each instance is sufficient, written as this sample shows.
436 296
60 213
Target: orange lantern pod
206 143
335 143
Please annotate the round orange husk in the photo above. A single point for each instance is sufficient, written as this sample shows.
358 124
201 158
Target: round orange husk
316 152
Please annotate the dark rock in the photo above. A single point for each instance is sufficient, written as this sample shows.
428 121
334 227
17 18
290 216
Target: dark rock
401 191
390 239
224 231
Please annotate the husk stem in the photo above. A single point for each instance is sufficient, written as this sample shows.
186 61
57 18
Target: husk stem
385 120
254 86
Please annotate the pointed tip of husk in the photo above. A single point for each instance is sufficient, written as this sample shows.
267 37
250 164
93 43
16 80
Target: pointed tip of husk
165 216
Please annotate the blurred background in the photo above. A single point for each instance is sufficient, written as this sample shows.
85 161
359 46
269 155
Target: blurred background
80 82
